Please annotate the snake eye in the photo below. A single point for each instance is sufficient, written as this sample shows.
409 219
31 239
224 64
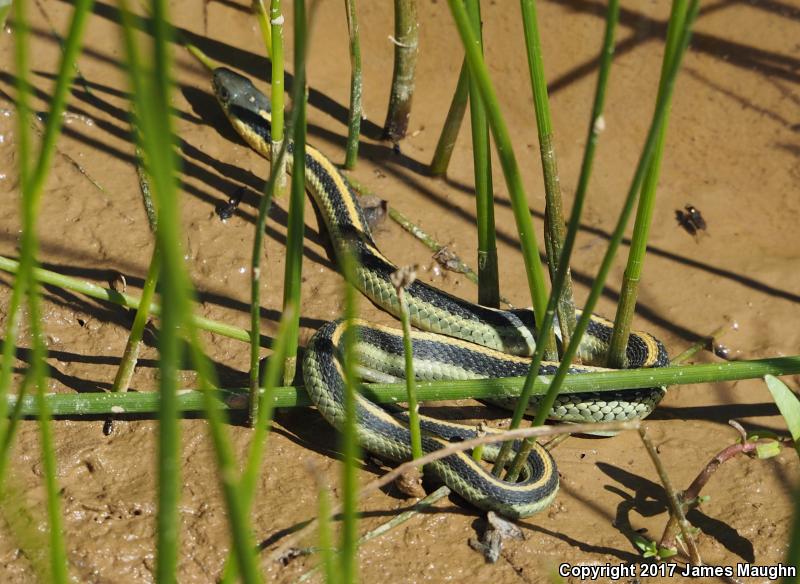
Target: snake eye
224 94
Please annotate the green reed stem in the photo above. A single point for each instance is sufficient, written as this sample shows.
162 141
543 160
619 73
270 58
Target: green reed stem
278 166
9 351
658 120
325 537
23 279
130 357
488 278
13 423
263 422
235 502
33 176
277 172
554 233
58 552
354 118
350 450
408 351
262 425
89 404
240 527
530 249
297 202
452 124
260 11
406 40
122 299
255 299
277 97
647 203
574 223
21 522
150 93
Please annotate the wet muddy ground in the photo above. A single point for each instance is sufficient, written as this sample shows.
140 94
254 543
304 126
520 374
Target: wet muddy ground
733 151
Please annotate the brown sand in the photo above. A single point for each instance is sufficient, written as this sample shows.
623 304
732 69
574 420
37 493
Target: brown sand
733 151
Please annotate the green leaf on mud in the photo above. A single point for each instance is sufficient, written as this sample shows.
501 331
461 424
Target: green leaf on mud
768 450
789 406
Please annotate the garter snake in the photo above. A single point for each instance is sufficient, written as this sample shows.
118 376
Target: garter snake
480 342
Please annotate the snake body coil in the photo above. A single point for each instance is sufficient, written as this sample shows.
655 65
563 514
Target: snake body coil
484 342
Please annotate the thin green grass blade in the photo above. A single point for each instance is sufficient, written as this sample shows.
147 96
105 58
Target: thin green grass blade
354 117
58 552
452 124
21 522
150 92
122 299
546 323
32 180
408 353
262 424
350 451
13 318
58 103
33 175
647 202
260 11
237 506
14 416
151 96
262 427
325 537
527 236
255 284
297 202
129 358
554 233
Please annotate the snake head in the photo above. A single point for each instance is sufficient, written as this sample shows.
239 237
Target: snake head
237 92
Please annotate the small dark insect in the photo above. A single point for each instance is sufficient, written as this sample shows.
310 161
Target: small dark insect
226 210
722 351
696 217
686 222
691 219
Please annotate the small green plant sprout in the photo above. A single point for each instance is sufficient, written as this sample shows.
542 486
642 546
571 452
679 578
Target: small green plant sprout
651 549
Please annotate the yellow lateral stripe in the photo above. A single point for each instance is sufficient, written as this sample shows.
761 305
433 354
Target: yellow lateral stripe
334 173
